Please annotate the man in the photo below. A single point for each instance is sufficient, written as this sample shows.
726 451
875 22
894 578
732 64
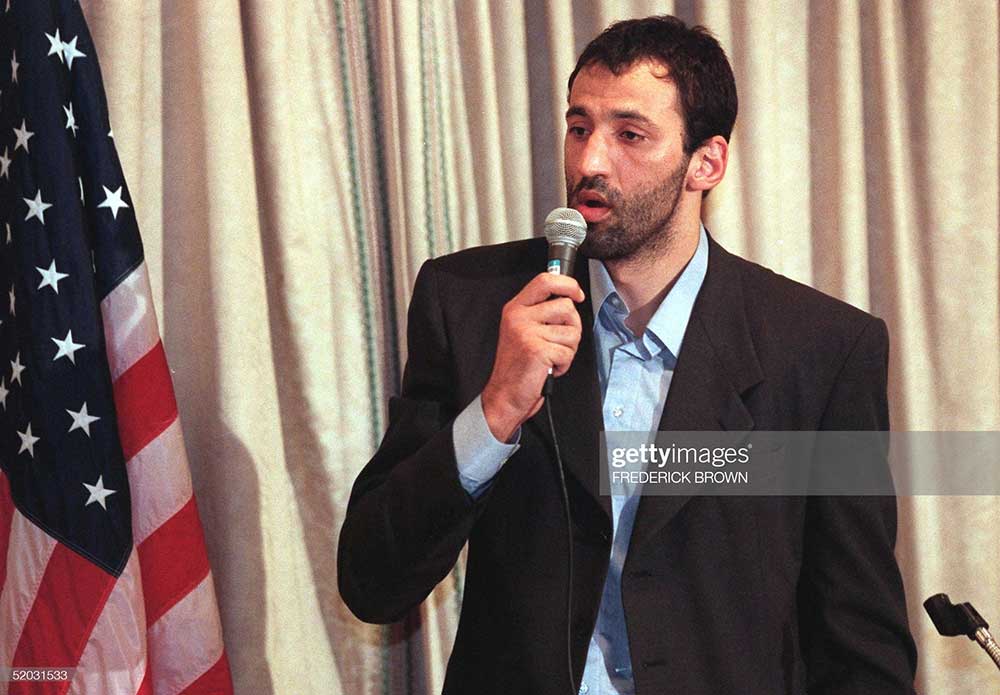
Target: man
661 329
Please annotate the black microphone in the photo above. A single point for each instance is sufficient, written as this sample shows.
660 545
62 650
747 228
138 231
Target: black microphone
565 230
962 619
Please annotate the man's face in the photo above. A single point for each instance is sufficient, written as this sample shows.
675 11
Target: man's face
624 158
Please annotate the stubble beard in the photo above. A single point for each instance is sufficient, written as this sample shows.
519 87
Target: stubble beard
638 227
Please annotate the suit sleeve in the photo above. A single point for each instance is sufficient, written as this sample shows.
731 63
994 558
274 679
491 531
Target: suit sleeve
853 622
409 516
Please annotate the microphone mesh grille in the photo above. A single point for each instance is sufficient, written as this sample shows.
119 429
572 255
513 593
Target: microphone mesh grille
565 226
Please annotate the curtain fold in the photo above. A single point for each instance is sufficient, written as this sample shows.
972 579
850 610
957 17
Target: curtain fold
292 164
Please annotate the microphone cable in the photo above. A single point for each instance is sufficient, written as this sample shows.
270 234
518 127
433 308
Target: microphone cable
569 539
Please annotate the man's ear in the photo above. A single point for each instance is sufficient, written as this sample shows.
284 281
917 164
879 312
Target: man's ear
708 164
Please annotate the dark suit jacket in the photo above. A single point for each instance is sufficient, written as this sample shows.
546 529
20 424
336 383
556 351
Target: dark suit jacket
721 594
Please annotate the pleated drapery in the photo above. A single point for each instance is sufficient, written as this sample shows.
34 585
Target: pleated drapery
293 163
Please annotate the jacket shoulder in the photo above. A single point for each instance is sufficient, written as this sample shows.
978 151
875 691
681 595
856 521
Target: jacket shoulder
781 300
480 262
795 328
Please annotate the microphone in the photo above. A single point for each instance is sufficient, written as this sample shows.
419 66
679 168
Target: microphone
565 229
962 619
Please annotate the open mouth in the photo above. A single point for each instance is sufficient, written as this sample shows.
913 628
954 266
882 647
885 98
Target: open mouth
592 206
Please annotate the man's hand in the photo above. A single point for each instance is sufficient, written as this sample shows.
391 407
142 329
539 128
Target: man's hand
539 329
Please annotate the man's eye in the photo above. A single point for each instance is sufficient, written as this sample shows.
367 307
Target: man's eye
631 136
578 131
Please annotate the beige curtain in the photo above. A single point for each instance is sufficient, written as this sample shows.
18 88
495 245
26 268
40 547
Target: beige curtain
293 163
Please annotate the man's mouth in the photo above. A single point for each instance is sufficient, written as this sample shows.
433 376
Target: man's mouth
592 205
593 208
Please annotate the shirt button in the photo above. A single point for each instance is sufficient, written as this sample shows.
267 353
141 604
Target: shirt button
617 412
584 689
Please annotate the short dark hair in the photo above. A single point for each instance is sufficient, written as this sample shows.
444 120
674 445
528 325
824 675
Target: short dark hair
696 63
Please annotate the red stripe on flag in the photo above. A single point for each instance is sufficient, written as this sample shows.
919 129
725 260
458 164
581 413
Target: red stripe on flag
173 561
68 602
214 681
38 688
144 400
146 687
6 516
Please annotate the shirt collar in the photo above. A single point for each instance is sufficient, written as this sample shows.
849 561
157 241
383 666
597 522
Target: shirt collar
670 320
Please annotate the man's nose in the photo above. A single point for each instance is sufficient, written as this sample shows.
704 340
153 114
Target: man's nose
595 159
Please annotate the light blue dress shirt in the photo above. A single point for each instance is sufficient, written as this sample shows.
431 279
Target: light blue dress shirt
634 373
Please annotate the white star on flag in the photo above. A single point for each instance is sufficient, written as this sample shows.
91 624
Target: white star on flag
36 207
82 419
8 231
3 393
13 304
55 45
69 50
70 119
66 347
98 493
5 164
51 276
27 442
23 135
113 200
15 369
14 65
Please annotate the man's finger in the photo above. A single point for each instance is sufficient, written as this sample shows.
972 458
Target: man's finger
568 336
555 311
562 358
545 285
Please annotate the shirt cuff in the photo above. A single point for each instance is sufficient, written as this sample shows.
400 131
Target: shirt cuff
477 451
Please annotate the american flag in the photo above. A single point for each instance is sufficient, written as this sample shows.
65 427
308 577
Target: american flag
103 565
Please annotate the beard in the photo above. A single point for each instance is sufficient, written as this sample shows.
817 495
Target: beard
637 226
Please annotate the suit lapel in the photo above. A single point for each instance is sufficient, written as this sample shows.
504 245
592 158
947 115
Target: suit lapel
717 365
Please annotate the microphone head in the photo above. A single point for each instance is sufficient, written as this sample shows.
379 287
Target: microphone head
565 226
